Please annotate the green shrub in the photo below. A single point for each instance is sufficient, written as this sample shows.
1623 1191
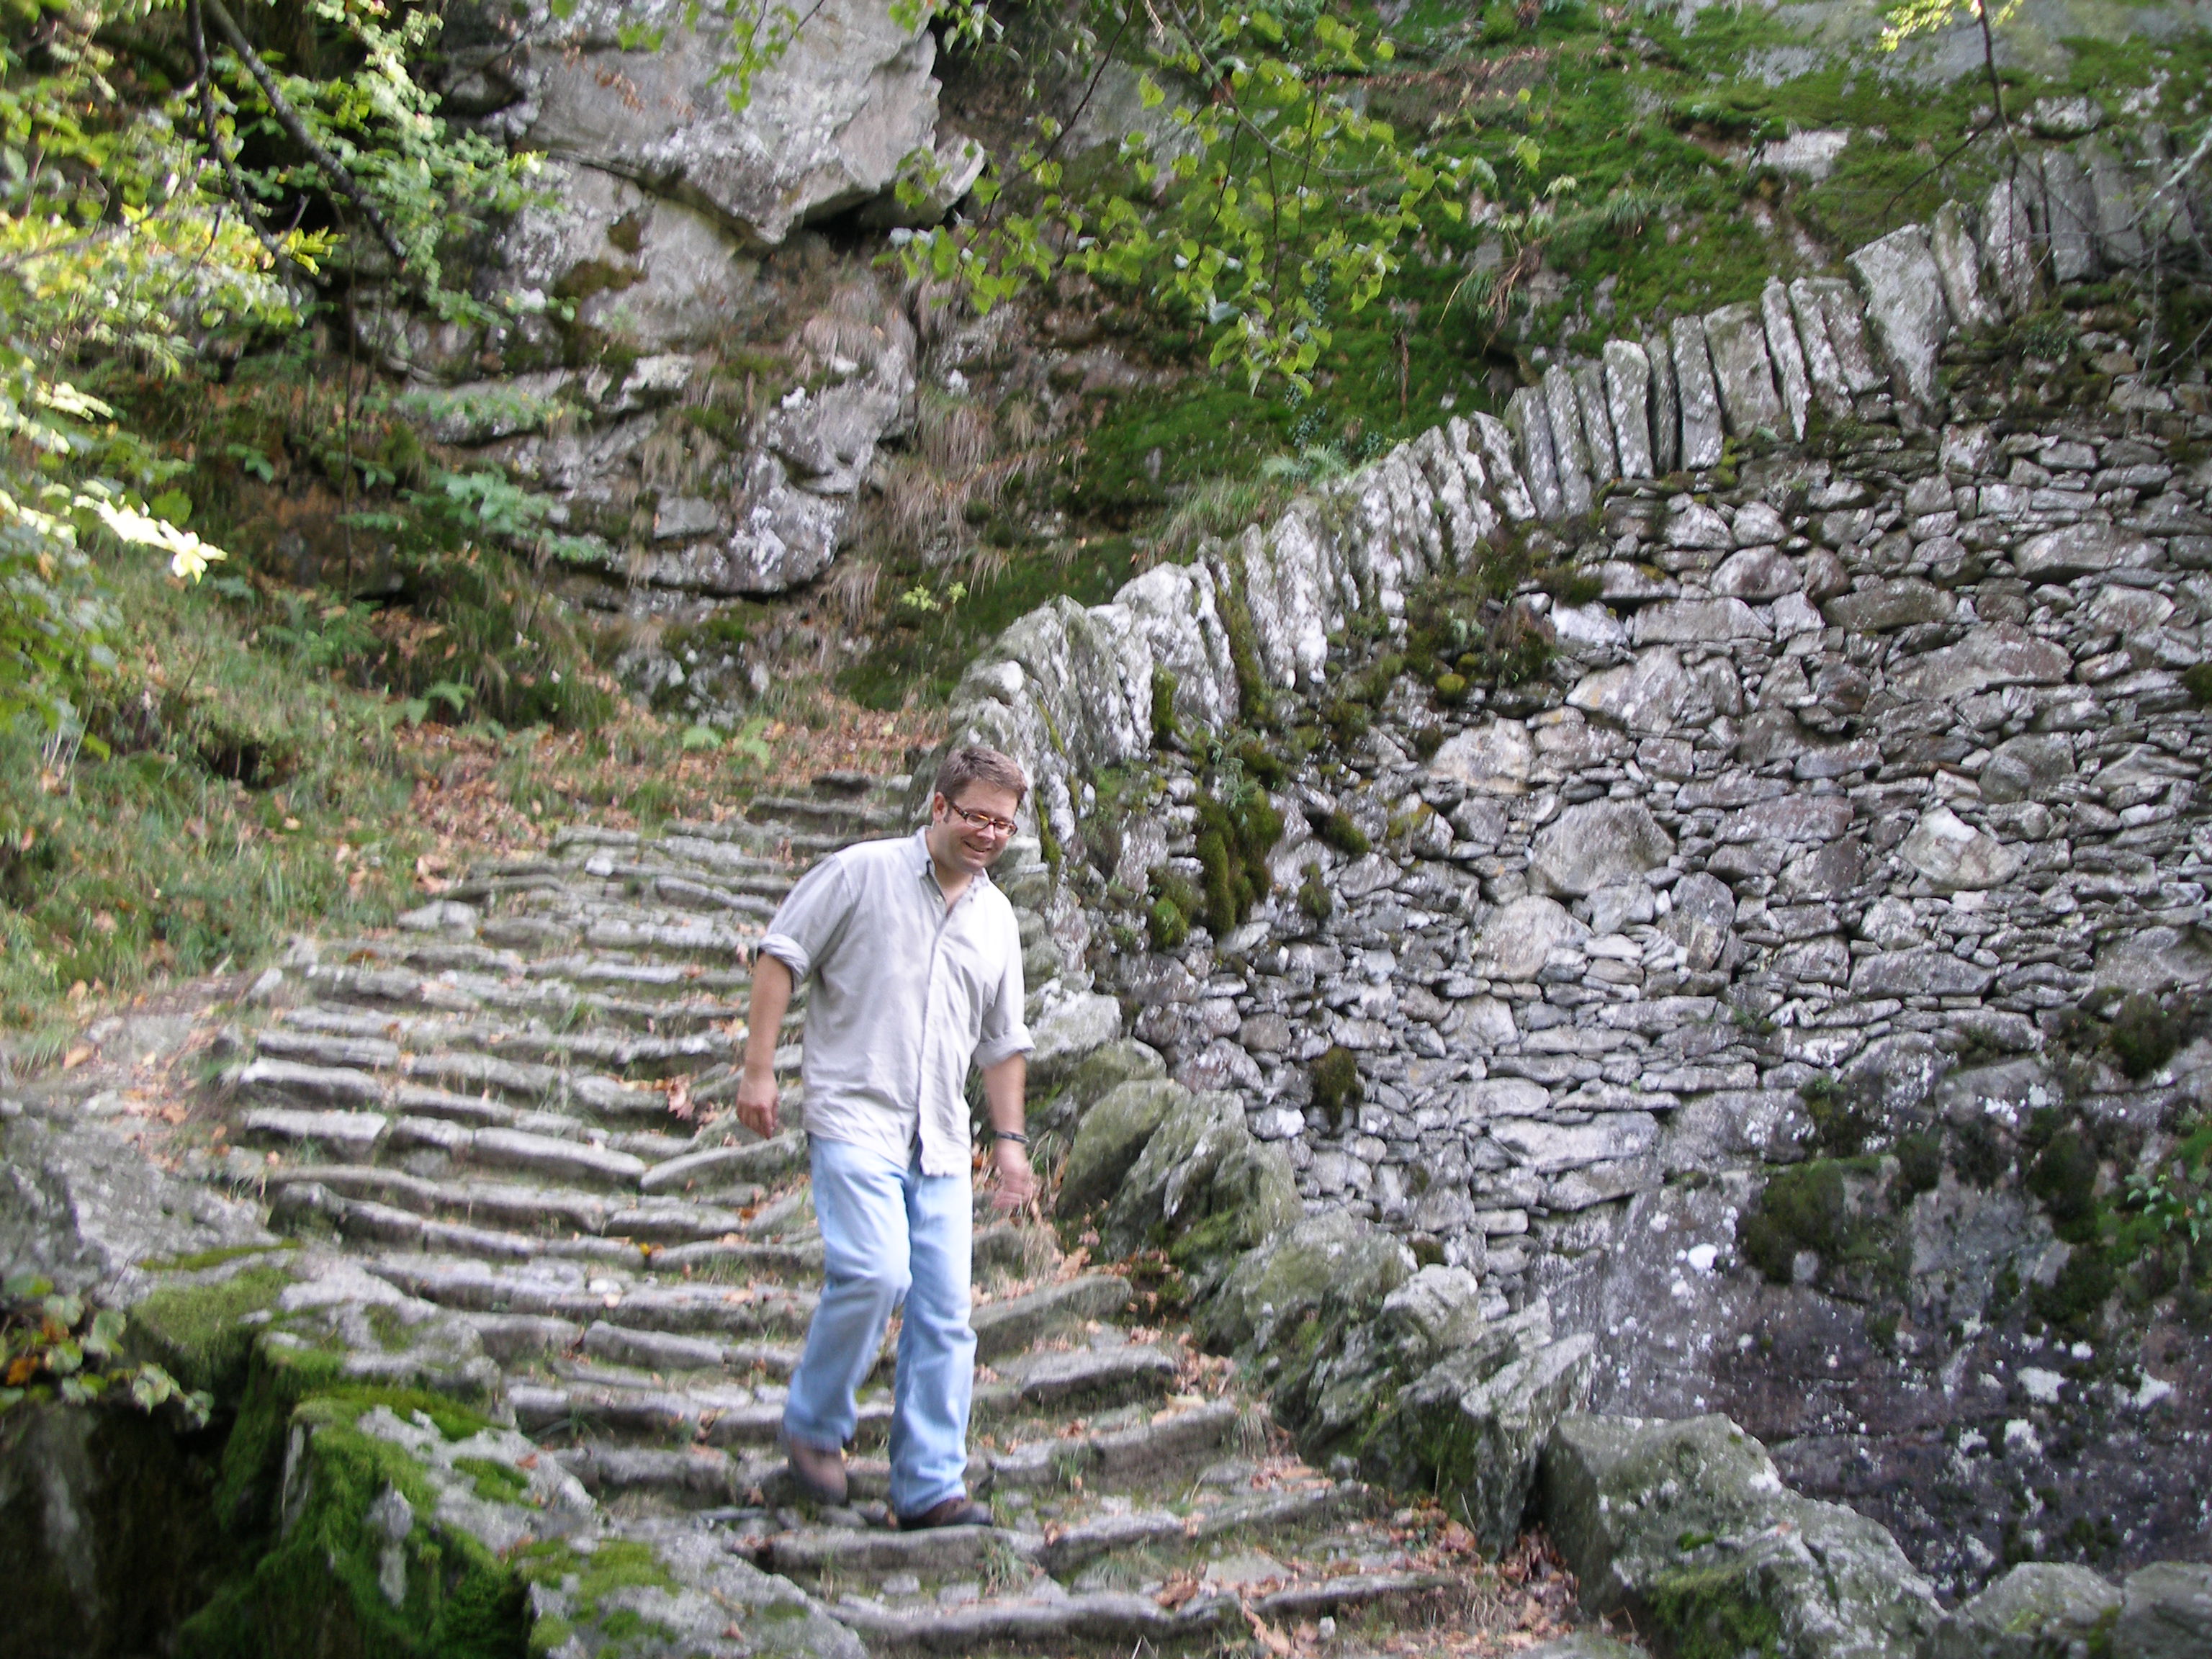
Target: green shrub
1337 1089
1315 897
2144 1035
1336 829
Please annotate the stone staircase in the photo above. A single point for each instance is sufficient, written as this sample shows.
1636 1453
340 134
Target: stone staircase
516 1110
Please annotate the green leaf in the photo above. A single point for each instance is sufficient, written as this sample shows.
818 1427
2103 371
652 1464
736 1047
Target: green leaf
701 737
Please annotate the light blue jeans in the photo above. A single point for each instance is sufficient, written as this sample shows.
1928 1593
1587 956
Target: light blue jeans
889 1233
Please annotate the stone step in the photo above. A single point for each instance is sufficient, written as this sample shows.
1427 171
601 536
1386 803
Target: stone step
526 1209
1171 1444
692 1477
385 1223
273 1076
1048 1620
878 1552
562 1290
1069 1551
659 1350
949 1552
452 992
1020 1322
709 1168
618 1054
858 820
729 1415
1093 1375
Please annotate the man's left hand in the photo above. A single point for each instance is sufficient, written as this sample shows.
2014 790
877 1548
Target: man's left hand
1017 1181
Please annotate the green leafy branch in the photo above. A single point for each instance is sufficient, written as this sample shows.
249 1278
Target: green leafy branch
1277 198
56 1346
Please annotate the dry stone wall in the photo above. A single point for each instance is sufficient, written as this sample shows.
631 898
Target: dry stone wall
1723 992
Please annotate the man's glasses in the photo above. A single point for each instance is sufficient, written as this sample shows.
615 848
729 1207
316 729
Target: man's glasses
984 820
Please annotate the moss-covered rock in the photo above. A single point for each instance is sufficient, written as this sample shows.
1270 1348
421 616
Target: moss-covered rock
1111 1137
1331 1262
2039 1610
1473 1425
1688 1527
1203 1189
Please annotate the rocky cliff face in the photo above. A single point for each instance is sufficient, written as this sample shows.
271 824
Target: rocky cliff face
1784 984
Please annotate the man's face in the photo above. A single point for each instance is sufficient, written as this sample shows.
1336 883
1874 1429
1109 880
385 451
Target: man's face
967 833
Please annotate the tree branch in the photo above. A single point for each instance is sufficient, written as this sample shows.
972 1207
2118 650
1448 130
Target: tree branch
211 124
328 165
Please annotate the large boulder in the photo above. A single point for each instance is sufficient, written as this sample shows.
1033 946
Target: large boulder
828 125
1110 1138
2039 1610
1473 1425
1323 1260
2166 1613
1203 1188
1688 1526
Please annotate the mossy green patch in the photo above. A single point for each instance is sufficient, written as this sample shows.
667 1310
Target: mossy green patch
1710 1612
1835 1207
197 1333
320 1587
1337 1089
495 1482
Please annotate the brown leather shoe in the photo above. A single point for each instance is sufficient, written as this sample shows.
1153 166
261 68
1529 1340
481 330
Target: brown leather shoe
959 1511
817 1473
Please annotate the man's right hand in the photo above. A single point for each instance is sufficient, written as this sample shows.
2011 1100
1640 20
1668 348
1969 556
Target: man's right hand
756 1102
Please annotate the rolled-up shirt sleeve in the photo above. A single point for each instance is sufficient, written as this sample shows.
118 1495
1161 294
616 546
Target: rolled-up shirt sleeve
1005 1031
812 916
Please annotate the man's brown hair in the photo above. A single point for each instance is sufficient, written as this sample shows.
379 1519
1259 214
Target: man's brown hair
975 763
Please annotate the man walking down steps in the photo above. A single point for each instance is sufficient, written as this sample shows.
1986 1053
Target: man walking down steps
917 968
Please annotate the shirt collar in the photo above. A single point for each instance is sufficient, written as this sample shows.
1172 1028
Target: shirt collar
924 863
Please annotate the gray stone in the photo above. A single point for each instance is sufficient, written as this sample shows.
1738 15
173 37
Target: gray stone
2082 549
2008 244
1786 354
1692 523
1569 452
1845 319
1918 973
1596 844
1073 1029
2069 217
1993 654
1900 602
2166 1613
1491 1408
826 128
1737 338
1202 1187
1697 396
1514 941
1956 857
1332 1259
1789 819
1822 370
1495 758
1958 262
1437 1310
1904 293
2065 118
1554 1148
1757 574
1112 1136
2155 959
1666 407
1640 1507
1628 399
1698 622
2039 1610
1597 422
2030 767
1531 426
1701 921
674 279
1645 695
2119 212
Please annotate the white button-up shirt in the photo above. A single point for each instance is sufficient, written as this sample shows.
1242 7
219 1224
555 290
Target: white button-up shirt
906 993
